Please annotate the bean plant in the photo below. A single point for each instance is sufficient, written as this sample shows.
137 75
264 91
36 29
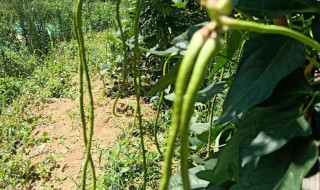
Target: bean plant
266 132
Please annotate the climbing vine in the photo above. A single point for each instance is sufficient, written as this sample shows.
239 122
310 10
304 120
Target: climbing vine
83 70
205 44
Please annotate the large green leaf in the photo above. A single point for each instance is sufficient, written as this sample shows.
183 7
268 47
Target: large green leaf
266 60
275 8
233 42
180 43
199 128
205 175
208 92
303 160
292 90
274 124
275 132
204 94
186 36
280 170
165 81
215 131
174 49
195 183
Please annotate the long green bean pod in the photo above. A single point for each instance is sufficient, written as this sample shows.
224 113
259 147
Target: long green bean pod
83 69
210 49
197 41
125 57
137 86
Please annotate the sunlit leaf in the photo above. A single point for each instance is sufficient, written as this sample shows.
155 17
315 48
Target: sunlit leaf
274 133
303 159
282 167
277 122
195 183
199 128
266 60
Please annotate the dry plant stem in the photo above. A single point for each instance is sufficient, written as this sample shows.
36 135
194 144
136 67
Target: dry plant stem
209 50
185 69
83 69
268 29
125 57
137 86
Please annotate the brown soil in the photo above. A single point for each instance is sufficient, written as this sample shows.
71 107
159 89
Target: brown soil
63 152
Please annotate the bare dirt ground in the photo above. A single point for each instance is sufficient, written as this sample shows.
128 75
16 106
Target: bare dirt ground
63 151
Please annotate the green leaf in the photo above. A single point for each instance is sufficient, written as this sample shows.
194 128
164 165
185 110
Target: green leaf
211 163
114 39
199 160
186 36
205 94
292 90
165 81
266 60
275 8
275 134
181 47
180 4
215 131
205 175
221 62
199 128
233 44
282 169
196 143
125 169
169 97
195 183
302 162
228 186
256 122
208 92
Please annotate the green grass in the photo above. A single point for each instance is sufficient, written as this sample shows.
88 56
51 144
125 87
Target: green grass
20 95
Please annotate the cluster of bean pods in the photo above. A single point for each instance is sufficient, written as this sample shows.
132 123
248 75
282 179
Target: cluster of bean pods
204 45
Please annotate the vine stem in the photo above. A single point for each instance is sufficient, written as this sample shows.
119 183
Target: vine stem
165 65
269 29
83 69
212 114
188 61
125 57
137 86
209 50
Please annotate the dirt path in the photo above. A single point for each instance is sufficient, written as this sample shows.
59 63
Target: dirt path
63 151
